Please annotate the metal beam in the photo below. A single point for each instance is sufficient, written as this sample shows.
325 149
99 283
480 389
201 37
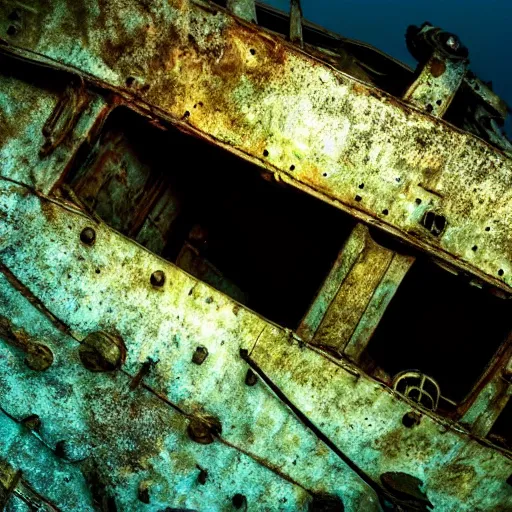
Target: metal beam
312 126
355 295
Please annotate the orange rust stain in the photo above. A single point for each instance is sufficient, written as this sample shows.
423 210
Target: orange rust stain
437 68
230 65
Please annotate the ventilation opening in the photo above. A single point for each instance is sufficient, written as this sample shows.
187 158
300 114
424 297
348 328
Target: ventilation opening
268 246
501 432
434 222
441 326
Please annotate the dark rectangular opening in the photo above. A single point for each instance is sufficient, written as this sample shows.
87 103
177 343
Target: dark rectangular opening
501 432
216 216
439 324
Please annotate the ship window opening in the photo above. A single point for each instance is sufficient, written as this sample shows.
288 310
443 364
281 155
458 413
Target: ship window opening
501 432
441 326
216 216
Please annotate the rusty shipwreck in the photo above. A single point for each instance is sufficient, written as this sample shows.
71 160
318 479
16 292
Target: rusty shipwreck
246 263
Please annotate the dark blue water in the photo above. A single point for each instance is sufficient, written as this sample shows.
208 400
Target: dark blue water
484 27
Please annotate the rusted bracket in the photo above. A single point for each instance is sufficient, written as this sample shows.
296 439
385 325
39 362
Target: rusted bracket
443 72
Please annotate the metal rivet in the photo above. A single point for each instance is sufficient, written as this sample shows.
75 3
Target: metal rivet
32 422
39 357
203 430
238 500
100 352
200 355
251 378
325 502
88 236
158 278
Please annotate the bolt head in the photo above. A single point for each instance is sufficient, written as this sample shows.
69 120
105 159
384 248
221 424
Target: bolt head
200 354
203 430
100 352
251 378
158 278
32 422
88 236
38 357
